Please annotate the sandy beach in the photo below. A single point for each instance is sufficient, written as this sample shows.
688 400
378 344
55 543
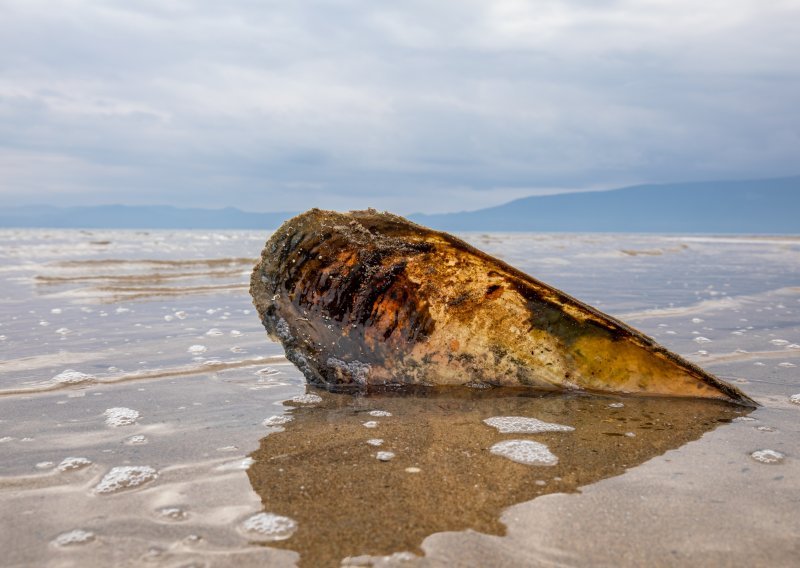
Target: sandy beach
146 419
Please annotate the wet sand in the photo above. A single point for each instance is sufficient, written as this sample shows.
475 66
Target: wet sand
173 403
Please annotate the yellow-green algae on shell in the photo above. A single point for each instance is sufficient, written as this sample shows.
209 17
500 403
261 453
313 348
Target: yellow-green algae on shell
367 298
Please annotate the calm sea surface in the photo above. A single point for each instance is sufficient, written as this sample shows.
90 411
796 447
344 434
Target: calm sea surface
146 419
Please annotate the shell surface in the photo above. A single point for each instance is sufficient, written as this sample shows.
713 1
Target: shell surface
367 298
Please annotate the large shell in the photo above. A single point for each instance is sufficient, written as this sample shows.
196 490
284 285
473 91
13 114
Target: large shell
367 298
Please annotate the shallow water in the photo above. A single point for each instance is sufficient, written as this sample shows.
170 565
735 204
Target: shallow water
140 353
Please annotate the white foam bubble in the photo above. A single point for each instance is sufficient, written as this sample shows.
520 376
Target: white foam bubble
779 342
55 311
213 332
120 416
413 470
795 398
235 333
384 456
616 405
786 365
45 465
197 349
522 424
767 456
71 464
525 452
277 420
72 377
125 477
697 320
173 513
238 465
701 339
269 527
137 440
309 398
375 441
379 413
371 424
72 538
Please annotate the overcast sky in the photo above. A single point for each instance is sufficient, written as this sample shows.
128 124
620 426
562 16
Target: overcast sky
422 105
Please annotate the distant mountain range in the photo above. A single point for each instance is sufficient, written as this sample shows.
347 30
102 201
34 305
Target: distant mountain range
769 206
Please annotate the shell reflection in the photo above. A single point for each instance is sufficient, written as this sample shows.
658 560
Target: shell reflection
322 469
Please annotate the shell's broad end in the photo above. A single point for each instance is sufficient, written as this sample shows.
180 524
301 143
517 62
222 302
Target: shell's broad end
364 298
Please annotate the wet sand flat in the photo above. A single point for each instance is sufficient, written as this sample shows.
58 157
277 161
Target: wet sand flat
145 419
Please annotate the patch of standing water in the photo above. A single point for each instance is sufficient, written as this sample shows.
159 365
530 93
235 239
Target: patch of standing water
125 477
768 456
120 416
73 538
269 527
526 452
523 425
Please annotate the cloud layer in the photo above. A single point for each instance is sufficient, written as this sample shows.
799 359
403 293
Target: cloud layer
409 106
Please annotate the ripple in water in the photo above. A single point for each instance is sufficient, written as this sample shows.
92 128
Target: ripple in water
523 425
125 477
526 452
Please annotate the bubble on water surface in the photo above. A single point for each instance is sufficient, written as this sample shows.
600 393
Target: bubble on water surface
63 331
767 456
213 332
268 526
795 398
306 399
71 464
522 424
235 333
379 413
45 465
72 377
375 441
72 538
384 456
371 424
526 452
125 477
120 416
697 320
701 339
787 365
55 311
616 405
277 420
180 315
197 349
137 440
779 342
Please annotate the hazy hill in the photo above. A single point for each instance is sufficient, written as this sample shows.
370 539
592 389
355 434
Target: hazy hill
756 206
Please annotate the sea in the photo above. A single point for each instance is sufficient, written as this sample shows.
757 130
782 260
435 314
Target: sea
146 419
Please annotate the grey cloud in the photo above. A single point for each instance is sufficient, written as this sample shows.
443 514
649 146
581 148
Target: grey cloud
409 106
